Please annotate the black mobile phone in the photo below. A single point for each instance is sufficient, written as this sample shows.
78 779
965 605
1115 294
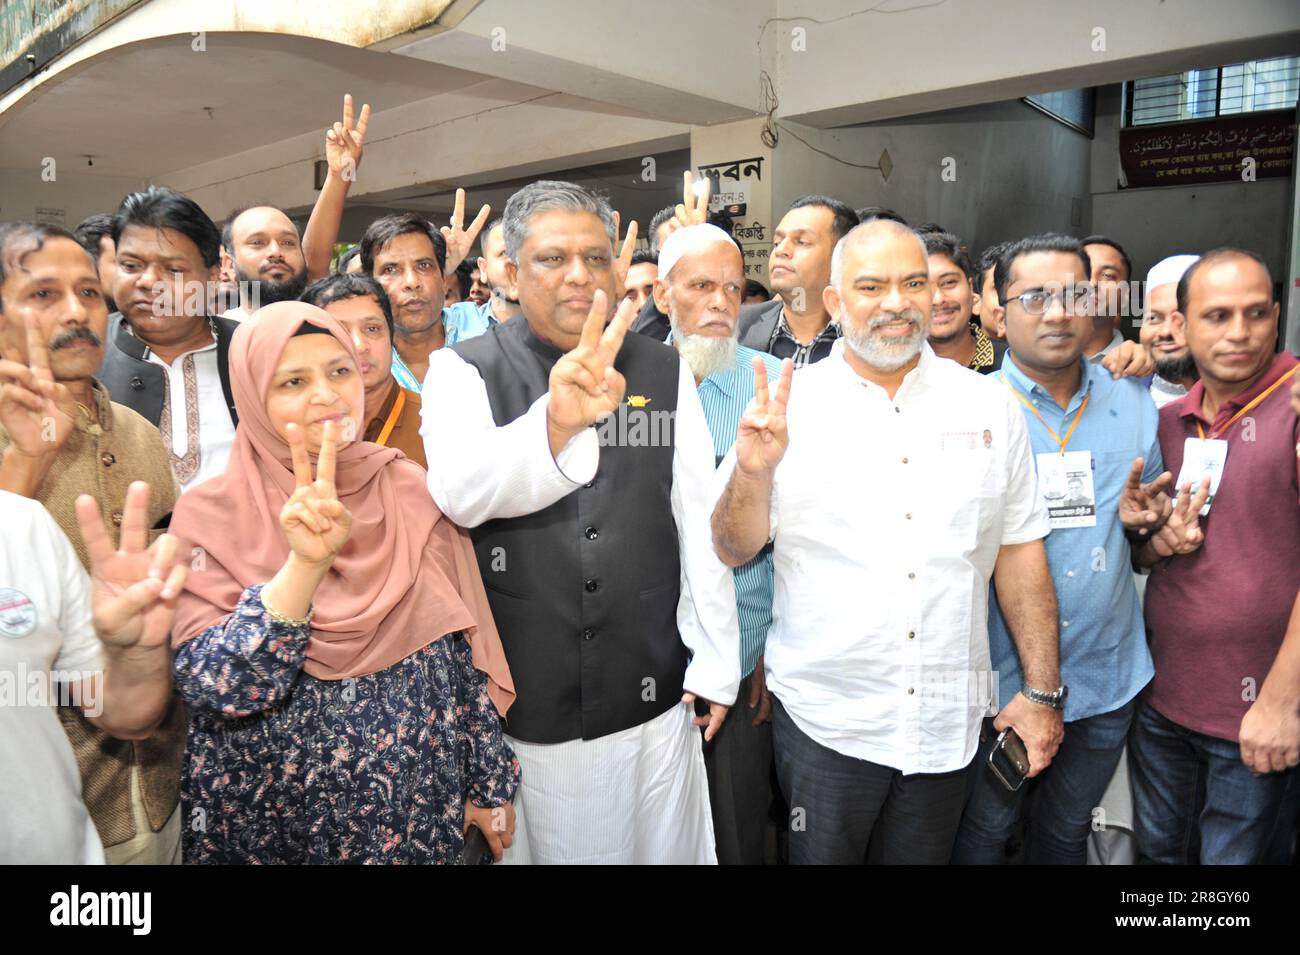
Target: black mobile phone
1009 759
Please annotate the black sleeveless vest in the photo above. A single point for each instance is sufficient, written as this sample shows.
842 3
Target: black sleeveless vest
585 591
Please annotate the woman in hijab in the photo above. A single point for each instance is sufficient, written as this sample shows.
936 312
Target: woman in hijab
334 645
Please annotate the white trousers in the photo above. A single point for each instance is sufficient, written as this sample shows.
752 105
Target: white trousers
636 797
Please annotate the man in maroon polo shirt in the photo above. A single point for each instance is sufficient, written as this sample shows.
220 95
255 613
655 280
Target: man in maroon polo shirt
1217 734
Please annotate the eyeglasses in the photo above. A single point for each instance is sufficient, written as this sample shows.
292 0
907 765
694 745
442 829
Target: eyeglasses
1075 301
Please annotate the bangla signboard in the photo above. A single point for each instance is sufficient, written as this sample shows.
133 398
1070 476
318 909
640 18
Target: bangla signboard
1226 149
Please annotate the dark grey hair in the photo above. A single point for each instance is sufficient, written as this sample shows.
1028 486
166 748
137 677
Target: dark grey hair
543 196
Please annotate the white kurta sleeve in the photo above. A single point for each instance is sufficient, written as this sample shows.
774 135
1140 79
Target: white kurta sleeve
706 613
479 471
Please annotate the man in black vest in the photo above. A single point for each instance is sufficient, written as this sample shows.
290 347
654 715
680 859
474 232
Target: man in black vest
165 356
593 543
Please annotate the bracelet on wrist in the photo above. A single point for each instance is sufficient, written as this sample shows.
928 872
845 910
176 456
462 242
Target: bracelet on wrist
287 621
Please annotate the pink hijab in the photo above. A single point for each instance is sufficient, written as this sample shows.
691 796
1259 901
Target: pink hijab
406 576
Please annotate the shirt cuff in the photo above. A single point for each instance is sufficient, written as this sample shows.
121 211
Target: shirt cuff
579 458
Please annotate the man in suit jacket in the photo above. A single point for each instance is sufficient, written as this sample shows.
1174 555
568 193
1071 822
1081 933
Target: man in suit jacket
796 325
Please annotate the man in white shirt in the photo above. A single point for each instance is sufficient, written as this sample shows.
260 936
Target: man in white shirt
52 621
893 485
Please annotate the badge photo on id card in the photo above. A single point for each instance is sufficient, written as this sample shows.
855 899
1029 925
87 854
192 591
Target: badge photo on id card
1202 457
1065 481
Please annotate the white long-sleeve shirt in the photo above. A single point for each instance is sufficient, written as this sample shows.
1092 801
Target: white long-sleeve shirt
480 472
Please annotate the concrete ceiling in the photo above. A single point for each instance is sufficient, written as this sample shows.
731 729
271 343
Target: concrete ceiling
142 110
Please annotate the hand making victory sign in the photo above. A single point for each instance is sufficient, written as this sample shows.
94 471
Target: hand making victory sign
1144 508
761 438
37 411
343 141
314 520
134 589
584 385
459 239
623 261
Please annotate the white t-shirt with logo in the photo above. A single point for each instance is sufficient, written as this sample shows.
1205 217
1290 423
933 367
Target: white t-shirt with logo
45 629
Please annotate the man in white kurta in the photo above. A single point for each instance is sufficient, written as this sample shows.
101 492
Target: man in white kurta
594 547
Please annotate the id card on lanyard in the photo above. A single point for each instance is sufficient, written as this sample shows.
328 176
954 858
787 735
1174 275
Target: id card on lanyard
1208 456
1065 479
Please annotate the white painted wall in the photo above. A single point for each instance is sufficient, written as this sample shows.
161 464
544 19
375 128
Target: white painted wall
74 190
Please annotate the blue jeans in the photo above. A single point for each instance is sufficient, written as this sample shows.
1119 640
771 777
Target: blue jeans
838 802
1195 800
1065 797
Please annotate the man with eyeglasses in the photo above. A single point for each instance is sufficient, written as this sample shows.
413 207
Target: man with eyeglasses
1100 476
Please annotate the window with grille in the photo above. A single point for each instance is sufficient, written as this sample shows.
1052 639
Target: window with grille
1221 91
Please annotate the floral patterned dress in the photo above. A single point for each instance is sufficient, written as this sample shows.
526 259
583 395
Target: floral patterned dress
287 768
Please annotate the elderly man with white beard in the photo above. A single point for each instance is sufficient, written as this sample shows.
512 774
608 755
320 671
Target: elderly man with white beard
701 280
893 486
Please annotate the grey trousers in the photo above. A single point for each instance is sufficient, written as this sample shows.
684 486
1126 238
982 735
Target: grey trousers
738 761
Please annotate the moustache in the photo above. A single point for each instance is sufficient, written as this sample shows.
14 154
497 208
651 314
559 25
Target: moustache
911 315
79 333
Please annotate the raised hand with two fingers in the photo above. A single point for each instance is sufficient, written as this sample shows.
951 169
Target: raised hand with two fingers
314 520
761 438
584 385
133 587
460 239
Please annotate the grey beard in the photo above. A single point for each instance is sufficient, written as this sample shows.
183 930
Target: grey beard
1176 370
704 354
877 352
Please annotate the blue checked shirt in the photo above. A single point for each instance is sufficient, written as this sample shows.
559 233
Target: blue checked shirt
725 395
463 320
1104 657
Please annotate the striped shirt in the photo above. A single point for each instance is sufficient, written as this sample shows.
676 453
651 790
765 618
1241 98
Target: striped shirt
463 320
783 344
725 395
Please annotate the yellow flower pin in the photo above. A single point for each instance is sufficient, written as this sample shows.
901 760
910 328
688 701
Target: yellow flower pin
637 401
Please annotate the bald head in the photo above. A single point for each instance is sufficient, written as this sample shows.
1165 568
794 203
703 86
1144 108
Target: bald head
880 233
267 254
880 293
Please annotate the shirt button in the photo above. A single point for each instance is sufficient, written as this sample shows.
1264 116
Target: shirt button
1069 573
911 576
911 634
588 634
591 533
137 384
117 518
898 409
908 516
591 586
590 484
904 460
107 459
910 691
1065 623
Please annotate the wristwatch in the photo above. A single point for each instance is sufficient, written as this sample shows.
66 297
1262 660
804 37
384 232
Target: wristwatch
1055 700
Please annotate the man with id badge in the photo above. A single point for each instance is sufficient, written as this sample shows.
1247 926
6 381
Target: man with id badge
1217 733
1094 443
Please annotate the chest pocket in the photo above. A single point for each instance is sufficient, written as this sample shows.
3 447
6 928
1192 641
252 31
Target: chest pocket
968 494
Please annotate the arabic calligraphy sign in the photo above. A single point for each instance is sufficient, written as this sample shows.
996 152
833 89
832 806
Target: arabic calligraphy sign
1213 150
